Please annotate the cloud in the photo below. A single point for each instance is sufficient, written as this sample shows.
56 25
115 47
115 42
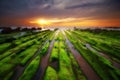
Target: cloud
31 9
105 4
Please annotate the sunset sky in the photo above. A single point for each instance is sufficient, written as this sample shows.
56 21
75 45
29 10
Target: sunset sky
60 12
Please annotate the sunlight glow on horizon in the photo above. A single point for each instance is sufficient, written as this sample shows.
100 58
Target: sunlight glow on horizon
73 22
52 21
40 21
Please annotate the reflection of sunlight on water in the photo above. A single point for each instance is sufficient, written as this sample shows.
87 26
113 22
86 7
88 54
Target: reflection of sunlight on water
62 30
56 33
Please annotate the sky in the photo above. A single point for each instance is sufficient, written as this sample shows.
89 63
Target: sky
60 12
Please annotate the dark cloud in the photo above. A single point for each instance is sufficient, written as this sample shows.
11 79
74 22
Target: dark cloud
8 7
104 9
113 4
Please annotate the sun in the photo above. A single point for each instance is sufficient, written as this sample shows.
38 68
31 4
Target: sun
42 21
